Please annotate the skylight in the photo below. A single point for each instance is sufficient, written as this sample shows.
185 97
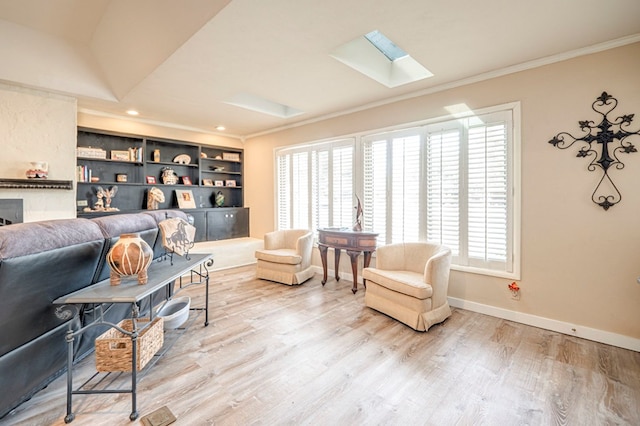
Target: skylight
386 46
379 58
265 106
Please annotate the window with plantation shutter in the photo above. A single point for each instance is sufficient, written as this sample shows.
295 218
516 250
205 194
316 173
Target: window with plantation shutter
451 181
315 185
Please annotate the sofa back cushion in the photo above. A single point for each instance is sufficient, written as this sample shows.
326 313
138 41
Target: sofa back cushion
39 262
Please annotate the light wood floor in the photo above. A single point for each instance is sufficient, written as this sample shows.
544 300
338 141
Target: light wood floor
308 355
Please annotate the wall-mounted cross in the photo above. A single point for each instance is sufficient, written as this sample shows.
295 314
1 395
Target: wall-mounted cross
606 135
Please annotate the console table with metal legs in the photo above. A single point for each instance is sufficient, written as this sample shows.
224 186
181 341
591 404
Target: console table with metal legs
162 274
353 242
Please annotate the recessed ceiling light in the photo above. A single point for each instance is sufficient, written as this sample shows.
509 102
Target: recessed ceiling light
132 112
220 128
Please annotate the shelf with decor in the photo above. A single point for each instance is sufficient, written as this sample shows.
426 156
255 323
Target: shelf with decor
135 164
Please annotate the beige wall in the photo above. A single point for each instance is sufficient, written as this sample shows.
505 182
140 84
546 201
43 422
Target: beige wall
38 126
138 127
579 263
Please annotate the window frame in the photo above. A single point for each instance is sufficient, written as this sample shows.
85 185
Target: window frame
513 174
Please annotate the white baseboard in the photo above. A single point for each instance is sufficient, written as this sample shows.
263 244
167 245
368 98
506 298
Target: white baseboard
596 335
588 333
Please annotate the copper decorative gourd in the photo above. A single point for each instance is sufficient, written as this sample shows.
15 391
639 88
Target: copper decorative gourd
131 255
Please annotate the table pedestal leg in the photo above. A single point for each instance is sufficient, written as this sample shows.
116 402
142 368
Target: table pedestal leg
367 261
323 256
354 268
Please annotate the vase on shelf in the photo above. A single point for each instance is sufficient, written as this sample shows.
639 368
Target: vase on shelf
131 255
219 199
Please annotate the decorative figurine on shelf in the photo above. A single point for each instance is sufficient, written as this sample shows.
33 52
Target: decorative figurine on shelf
219 199
109 194
38 170
358 225
154 197
169 176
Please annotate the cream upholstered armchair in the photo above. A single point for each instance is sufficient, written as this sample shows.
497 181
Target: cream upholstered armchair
409 283
286 257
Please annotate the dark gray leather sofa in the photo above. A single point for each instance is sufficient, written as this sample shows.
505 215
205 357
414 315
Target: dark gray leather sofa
41 261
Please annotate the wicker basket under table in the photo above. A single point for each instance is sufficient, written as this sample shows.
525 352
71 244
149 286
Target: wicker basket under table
114 349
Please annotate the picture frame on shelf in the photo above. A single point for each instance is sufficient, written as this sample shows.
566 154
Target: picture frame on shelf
231 156
120 155
219 183
185 199
207 182
151 180
186 180
230 183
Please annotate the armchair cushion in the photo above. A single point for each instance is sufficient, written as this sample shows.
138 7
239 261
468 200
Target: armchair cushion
288 256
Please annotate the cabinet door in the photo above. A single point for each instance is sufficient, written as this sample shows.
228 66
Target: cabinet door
200 222
227 223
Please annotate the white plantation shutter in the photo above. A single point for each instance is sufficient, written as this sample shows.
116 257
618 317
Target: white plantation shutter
488 194
443 187
342 184
283 191
376 194
300 187
405 189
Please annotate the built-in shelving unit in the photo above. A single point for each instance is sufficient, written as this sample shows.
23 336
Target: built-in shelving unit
135 164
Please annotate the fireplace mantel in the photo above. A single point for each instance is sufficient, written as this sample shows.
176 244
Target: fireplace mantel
35 184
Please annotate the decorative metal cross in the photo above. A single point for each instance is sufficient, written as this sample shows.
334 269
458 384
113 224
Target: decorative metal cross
606 135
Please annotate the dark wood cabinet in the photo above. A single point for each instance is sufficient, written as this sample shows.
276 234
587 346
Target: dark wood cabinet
223 223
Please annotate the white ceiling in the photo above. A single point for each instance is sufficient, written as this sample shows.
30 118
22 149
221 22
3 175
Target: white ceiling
179 62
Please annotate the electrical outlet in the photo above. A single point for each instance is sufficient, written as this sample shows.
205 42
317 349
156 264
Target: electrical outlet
82 203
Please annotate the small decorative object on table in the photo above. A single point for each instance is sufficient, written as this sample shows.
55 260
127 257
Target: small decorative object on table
131 255
177 235
358 225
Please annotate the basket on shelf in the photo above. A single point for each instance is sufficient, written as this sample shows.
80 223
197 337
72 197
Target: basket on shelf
114 348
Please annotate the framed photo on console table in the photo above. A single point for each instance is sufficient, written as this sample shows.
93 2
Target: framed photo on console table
185 199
